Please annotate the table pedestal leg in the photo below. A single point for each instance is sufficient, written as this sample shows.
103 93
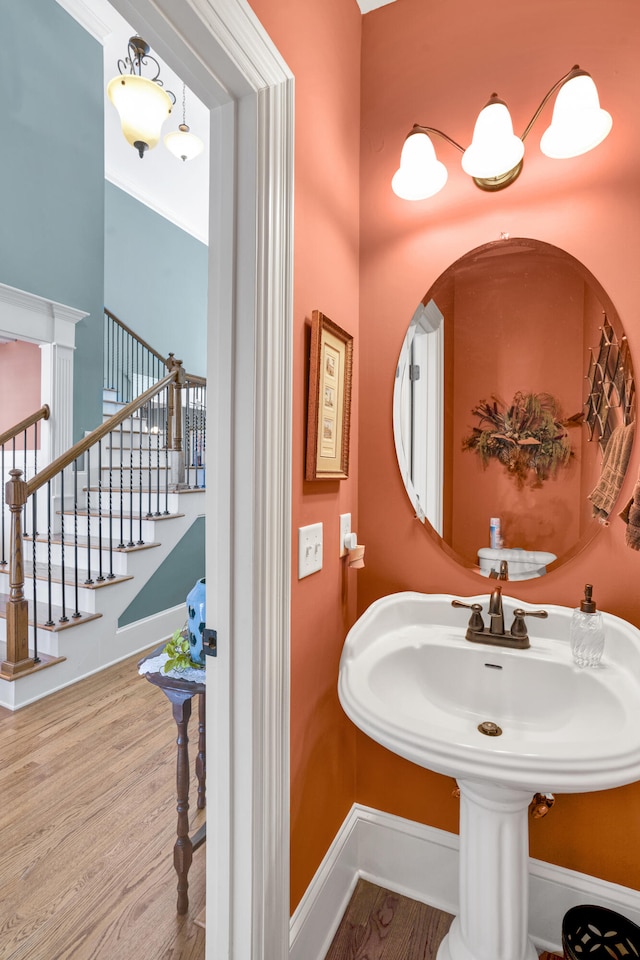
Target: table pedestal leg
202 743
183 849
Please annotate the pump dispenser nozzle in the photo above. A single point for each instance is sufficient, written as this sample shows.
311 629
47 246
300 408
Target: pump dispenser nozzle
588 605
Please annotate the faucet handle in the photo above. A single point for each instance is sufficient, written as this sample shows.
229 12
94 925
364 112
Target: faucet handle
475 621
519 627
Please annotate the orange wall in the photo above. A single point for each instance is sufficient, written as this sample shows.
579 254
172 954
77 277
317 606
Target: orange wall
320 40
19 387
437 64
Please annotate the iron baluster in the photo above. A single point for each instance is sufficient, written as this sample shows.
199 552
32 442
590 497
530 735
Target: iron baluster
121 470
150 433
76 613
166 456
140 541
187 437
64 618
119 367
49 622
100 578
131 543
25 525
88 465
111 574
34 510
157 429
131 351
3 561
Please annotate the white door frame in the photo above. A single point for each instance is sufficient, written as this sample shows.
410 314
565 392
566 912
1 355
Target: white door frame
224 55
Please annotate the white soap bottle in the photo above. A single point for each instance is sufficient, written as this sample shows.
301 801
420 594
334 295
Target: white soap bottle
495 540
586 632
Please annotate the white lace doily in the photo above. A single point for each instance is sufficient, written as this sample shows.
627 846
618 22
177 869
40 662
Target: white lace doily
156 665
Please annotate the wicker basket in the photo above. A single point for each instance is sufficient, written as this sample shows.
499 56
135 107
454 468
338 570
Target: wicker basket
599 934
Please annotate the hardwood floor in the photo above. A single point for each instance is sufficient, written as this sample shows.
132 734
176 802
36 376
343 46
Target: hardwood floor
87 826
381 925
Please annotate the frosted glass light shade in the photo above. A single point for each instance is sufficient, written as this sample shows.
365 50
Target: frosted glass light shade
183 144
143 107
495 149
579 123
420 174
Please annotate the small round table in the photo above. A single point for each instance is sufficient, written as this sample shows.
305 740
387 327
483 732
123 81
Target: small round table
180 693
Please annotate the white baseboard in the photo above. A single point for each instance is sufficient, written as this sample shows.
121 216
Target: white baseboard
422 862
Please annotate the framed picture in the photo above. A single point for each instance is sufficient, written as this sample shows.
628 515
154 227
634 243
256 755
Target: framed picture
329 400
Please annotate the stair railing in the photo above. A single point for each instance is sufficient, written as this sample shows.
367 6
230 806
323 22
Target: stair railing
19 447
125 484
131 365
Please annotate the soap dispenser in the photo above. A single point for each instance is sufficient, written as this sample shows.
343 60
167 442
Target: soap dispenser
587 631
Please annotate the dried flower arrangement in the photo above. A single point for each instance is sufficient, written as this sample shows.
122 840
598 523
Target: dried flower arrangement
528 437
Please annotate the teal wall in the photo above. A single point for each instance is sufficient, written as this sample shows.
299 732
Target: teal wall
52 174
173 579
157 287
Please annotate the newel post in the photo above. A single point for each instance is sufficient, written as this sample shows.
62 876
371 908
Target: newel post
18 658
174 421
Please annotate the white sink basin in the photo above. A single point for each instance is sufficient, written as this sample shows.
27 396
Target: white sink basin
411 681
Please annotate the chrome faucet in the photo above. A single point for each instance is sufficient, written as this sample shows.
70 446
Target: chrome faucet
495 633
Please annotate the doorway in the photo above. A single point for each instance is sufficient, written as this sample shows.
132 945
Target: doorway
225 57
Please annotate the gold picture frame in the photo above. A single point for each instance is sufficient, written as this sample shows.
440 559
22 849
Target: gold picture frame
329 410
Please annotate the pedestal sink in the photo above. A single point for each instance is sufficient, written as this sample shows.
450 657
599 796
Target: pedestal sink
411 681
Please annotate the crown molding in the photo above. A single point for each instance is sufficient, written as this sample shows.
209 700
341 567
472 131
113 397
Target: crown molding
96 19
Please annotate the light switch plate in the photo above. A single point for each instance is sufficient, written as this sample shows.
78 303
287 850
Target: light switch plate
309 549
345 529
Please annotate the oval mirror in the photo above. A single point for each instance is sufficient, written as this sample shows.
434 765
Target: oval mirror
513 408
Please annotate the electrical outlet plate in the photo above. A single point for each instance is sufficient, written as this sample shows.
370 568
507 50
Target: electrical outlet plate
309 550
345 529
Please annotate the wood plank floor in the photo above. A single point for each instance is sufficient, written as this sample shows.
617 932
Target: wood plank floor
87 826
381 925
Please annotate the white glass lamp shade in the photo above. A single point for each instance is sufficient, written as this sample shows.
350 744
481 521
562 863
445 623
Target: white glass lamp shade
183 144
495 149
579 123
421 174
143 107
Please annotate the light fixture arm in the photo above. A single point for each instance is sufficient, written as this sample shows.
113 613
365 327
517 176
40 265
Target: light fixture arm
138 56
420 128
574 72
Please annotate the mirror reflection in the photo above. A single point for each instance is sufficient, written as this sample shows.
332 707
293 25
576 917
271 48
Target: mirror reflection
514 407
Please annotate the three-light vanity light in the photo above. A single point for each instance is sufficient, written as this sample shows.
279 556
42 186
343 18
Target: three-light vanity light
494 159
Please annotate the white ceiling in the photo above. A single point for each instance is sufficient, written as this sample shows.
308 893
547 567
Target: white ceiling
177 190
367 5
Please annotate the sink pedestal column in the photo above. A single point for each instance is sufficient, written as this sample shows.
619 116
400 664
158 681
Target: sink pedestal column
494 876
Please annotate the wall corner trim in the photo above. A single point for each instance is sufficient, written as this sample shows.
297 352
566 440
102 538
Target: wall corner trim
422 862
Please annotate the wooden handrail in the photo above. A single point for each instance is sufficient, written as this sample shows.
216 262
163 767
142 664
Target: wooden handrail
65 459
42 414
135 336
193 377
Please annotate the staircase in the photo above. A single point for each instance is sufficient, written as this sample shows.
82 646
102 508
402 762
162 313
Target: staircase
92 535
